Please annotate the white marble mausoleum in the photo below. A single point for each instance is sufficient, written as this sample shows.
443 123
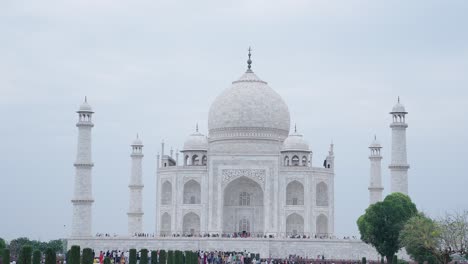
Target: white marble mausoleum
253 175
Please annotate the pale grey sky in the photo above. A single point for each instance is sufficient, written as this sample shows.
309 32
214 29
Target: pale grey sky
154 67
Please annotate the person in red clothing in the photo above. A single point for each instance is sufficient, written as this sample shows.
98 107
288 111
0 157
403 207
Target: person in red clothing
101 257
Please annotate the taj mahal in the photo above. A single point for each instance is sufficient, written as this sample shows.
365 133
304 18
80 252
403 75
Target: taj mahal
253 183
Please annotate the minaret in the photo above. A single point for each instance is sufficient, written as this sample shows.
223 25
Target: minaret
375 183
135 211
83 197
399 166
330 159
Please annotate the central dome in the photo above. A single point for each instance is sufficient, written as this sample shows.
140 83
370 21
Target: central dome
249 109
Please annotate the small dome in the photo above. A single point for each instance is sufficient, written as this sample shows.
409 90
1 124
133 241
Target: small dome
85 107
295 142
137 142
398 107
375 144
196 141
249 107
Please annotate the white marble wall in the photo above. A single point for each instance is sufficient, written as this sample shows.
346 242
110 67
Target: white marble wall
278 248
399 165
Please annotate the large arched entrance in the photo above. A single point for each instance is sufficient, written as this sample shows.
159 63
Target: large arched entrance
243 207
191 224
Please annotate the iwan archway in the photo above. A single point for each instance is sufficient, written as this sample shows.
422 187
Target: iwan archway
243 208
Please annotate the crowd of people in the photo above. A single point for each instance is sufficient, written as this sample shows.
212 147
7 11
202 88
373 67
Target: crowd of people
219 257
236 235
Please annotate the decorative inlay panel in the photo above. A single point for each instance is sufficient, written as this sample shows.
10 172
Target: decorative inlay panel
257 175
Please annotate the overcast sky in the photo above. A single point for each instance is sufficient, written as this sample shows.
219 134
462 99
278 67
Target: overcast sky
153 68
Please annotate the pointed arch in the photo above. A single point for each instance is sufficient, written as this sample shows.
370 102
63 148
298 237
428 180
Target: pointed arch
165 224
322 225
191 224
294 225
166 193
295 160
295 193
322 194
192 192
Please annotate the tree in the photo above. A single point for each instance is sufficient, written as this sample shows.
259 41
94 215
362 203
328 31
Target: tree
162 257
144 256
37 256
170 257
420 237
87 257
74 256
154 257
107 260
364 261
382 223
6 256
132 258
56 245
178 257
2 246
17 244
395 259
50 256
25 255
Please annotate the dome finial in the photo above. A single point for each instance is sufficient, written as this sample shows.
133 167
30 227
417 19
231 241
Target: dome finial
375 137
196 127
398 99
86 99
295 128
249 61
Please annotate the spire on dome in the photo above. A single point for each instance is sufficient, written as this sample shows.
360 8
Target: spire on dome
398 99
249 62
295 128
196 128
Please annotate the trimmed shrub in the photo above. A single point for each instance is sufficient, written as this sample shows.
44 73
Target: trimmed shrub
50 256
6 256
178 257
395 259
154 257
363 260
144 256
188 257
37 255
107 260
74 256
132 258
87 257
162 257
25 255
170 257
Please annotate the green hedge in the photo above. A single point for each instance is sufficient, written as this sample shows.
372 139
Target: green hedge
74 256
364 261
170 257
178 257
395 259
25 255
132 258
144 256
6 256
37 256
107 260
50 256
154 257
87 257
162 257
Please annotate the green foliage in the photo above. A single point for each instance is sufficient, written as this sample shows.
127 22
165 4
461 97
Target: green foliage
154 257
170 257
395 259
420 237
363 260
178 257
6 256
37 256
74 255
144 256
50 256
132 258
2 246
162 257
107 260
17 244
382 223
87 257
25 255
